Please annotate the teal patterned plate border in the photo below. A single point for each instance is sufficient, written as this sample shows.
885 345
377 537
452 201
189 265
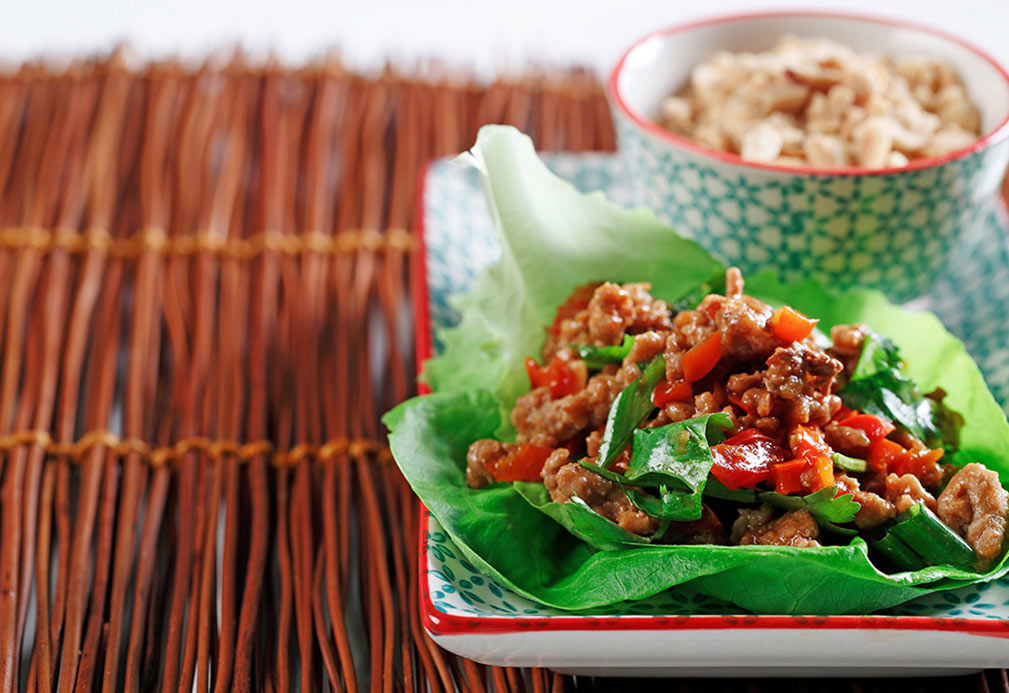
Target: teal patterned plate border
972 300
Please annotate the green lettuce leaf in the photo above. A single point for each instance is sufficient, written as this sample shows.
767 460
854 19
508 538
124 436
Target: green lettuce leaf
554 239
581 520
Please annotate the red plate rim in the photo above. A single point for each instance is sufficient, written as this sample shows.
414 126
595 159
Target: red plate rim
440 623
616 98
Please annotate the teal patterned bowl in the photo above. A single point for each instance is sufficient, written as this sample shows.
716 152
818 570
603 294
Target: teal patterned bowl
894 230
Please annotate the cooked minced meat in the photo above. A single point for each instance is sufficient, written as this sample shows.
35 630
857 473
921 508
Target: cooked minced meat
974 504
906 490
707 529
850 441
802 376
779 389
481 458
794 528
611 312
542 420
565 480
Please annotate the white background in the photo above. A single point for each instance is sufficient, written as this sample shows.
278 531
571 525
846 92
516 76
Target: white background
483 36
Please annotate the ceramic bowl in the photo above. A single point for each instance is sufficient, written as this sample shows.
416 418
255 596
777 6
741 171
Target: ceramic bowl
893 229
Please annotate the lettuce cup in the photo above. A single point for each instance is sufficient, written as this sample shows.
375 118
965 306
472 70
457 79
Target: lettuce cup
802 549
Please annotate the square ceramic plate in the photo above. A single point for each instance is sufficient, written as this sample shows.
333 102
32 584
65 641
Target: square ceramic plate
680 632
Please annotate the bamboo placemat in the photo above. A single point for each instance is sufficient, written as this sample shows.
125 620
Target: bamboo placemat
203 313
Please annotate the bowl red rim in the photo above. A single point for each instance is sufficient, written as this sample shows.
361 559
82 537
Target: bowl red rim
618 102
440 623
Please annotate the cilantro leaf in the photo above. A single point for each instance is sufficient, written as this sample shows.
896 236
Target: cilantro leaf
715 284
629 409
879 353
716 489
878 387
676 458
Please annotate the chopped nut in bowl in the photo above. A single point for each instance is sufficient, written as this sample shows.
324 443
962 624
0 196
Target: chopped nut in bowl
818 145
816 102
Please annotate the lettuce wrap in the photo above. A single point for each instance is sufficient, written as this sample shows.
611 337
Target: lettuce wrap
554 238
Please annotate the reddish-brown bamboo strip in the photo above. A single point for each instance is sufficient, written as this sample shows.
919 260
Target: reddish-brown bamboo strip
102 178
191 354
326 649
25 203
266 214
372 203
333 503
187 667
232 325
67 162
280 391
391 295
144 340
100 473
42 666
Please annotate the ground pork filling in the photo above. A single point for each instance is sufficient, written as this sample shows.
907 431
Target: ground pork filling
773 382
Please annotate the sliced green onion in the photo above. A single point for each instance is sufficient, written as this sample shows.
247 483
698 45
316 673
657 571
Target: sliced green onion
897 553
598 357
931 539
850 464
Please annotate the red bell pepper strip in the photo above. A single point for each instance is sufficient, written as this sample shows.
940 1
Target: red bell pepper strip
746 459
788 476
666 392
808 444
917 462
741 404
789 325
873 426
884 453
701 358
560 375
747 436
524 463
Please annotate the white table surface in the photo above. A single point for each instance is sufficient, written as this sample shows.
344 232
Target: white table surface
481 35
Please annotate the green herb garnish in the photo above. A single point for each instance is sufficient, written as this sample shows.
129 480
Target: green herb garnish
850 464
879 387
930 538
629 409
596 358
